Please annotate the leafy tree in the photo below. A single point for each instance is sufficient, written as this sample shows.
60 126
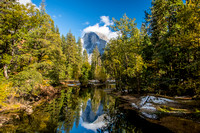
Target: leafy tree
16 22
123 55
85 71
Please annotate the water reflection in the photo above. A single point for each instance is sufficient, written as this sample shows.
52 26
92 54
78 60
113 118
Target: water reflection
79 110
88 114
122 118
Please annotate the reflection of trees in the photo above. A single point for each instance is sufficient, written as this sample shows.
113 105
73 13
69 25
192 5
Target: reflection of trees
61 113
72 103
77 115
95 100
84 95
98 96
50 116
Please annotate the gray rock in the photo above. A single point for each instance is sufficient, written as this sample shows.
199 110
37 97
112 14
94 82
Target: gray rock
93 39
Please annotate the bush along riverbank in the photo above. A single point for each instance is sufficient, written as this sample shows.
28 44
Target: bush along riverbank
15 103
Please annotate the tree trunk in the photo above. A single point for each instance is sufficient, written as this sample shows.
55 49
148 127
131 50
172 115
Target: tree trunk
138 83
5 68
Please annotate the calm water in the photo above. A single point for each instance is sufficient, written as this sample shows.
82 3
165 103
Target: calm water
85 110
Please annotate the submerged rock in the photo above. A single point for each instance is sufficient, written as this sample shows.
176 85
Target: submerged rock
150 115
153 99
148 105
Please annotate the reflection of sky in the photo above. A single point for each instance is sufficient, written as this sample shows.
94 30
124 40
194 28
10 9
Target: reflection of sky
89 121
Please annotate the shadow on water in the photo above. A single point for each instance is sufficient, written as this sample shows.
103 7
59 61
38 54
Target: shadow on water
127 120
84 110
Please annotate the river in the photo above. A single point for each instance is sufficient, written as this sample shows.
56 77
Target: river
83 110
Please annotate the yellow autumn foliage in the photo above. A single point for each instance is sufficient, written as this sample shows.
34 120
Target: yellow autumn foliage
4 92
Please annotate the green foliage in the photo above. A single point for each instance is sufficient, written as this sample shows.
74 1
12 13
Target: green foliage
30 41
73 54
100 74
95 63
6 59
85 56
5 88
85 70
163 57
27 82
122 57
174 63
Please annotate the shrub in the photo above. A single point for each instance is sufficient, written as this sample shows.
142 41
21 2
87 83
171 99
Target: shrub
4 92
28 82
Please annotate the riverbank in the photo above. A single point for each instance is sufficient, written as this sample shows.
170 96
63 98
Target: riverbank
26 104
179 114
84 109
19 103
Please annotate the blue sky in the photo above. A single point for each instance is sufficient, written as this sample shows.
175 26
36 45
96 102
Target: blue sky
76 15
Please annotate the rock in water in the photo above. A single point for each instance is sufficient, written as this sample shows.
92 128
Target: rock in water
93 39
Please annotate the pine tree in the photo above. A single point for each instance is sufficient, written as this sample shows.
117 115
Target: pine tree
73 56
85 56
95 62
79 56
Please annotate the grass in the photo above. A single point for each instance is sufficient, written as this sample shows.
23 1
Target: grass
167 109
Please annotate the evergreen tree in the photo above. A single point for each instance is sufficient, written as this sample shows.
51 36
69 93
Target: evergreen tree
73 56
85 56
79 56
95 62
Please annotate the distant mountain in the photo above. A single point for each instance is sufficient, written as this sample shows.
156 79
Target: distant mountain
93 39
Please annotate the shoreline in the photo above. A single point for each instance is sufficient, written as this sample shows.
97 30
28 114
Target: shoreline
173 115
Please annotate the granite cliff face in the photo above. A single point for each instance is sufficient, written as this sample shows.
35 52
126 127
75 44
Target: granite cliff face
93 39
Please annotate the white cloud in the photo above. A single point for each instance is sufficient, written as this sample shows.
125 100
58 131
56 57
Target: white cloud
106 20
102 29
86 23
57 16
24 1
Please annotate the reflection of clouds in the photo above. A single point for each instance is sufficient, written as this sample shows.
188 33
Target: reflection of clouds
98 123
91 121
93 126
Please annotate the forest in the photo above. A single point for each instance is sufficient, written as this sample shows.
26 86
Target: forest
161 57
